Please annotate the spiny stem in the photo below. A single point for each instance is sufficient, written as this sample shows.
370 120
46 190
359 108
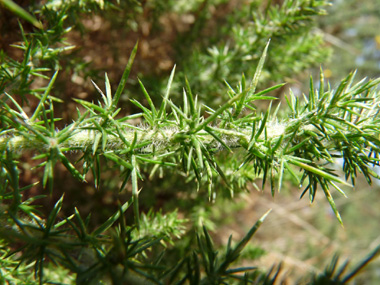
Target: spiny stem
160 139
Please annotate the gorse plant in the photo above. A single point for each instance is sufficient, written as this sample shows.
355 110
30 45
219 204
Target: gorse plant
235 47
219 148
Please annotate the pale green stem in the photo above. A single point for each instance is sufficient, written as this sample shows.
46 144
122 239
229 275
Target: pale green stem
163 139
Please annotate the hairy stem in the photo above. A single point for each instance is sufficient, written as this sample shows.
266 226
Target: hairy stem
167 137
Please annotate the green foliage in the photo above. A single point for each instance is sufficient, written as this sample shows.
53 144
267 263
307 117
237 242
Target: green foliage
237 47
220 147
334 275
9 4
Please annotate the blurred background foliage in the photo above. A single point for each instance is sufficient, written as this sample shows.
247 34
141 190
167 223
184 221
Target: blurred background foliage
351 29
210 42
